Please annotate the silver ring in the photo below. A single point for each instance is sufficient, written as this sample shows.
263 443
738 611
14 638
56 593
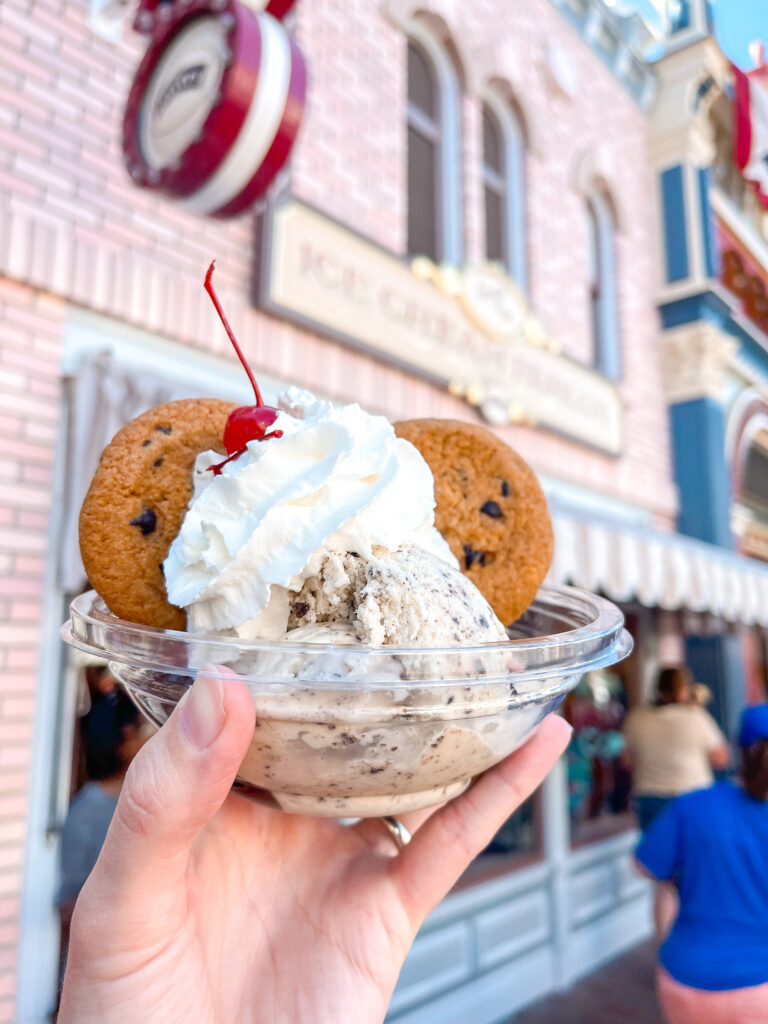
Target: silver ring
398 831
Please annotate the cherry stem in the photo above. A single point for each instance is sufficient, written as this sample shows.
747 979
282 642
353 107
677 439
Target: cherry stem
217 468
209 288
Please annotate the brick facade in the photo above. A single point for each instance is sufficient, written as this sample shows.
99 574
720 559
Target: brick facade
75 232
30 383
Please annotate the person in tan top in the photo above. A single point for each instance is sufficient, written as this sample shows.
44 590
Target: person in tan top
672 748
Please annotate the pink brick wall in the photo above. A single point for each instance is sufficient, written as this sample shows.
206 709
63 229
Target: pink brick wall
74 224
30 336
362 83
73 230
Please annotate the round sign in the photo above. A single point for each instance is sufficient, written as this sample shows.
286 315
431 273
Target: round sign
494 302
215 106
182 91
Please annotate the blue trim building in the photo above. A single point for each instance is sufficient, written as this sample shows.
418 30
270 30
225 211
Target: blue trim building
714 355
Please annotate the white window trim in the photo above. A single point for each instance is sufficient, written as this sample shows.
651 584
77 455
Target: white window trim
513 141
607 348
450 212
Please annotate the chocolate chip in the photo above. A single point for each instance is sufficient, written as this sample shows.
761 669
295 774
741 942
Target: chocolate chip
450 700
300 609
147 443
471 556
375 771
504 489
158 463
164 430
483 621
146 522
492 509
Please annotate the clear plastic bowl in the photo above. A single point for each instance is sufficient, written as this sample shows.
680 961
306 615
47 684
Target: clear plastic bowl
359 732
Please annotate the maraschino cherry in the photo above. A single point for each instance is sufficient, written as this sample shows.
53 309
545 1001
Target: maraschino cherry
247 422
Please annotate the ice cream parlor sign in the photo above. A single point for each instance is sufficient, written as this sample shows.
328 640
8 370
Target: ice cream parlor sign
469 330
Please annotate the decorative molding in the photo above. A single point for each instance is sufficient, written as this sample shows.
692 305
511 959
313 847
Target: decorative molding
695 359
496 64
40 250
594 21
561 70
753 536
442 13
745 230
598 165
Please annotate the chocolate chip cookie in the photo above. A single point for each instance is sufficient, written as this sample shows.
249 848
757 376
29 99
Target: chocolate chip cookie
137 501
490 508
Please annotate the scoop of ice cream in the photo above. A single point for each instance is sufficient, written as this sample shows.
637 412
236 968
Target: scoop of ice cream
403 598
348 730
338 480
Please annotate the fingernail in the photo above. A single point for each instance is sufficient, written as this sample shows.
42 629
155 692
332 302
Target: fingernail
202 712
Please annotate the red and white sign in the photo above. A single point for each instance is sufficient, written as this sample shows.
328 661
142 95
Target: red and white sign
215 106
751 128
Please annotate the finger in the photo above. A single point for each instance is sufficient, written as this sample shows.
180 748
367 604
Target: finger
446 843
176 783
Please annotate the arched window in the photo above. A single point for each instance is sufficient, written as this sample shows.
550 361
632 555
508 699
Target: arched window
601 232
504 187
434 151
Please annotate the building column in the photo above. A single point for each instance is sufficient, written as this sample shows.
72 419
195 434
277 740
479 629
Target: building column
695 358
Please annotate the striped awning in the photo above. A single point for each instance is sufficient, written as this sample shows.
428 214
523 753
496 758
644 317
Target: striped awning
659 570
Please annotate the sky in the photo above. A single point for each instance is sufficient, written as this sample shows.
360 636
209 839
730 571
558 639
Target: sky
737 23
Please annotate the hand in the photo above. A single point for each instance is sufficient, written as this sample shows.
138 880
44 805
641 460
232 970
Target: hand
206 907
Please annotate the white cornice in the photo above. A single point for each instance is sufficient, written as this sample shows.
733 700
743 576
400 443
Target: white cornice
695 359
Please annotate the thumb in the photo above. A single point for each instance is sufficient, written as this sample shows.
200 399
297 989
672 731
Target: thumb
175 784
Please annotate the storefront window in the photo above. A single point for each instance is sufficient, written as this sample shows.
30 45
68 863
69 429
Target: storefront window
599 784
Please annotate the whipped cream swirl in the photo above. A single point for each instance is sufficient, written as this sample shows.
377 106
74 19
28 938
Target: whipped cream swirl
338 480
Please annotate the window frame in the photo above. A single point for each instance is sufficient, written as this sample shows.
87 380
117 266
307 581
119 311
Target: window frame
603 283
510 184
449 219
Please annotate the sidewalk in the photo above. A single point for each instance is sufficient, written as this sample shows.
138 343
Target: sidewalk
622 992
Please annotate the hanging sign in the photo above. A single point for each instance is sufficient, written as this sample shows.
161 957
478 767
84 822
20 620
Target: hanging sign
751 128
215 106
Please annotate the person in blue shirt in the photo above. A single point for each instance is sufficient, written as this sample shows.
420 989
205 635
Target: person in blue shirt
713 846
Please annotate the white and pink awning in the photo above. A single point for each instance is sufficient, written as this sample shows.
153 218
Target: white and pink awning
658 570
